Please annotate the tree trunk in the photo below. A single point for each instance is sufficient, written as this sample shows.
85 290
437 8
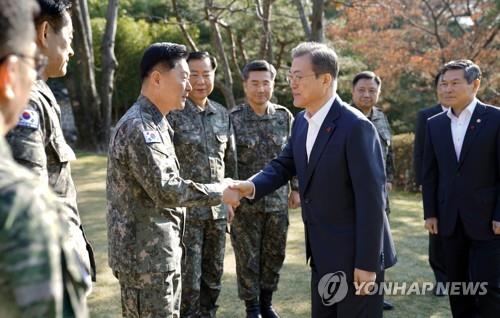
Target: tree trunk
317 31
109 65
264 11
303 18
227 85
80 81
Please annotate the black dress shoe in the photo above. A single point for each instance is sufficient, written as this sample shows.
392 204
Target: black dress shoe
388 305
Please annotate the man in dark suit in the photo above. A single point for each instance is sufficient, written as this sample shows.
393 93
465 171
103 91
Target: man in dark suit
335 152
461 189
436 253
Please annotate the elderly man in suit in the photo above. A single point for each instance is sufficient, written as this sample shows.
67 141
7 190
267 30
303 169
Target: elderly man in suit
342 193
436 253
461 189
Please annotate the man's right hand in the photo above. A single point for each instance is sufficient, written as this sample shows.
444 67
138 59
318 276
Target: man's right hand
231 197
245 188
431 224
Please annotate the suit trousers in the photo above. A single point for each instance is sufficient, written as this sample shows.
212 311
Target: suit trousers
436 257
469 260
352 306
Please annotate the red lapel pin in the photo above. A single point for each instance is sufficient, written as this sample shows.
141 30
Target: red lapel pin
328 129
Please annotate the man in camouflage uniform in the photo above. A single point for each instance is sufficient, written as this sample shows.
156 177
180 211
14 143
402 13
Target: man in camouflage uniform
145 191
39 273
204 139
38 142
365 94
259 231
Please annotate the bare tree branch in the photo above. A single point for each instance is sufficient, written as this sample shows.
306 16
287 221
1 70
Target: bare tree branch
180 22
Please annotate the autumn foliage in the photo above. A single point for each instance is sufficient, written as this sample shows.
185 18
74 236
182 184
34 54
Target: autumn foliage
406 41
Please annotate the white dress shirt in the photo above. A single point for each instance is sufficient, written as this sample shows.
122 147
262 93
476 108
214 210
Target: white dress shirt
460 124
315 123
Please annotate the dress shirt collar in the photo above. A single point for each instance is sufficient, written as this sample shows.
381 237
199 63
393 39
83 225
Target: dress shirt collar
469 110
318 118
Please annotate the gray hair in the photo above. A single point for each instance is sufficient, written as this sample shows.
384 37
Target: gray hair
323 58
471 70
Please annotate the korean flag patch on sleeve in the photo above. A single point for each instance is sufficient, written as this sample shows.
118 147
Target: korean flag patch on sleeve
151 136
29 118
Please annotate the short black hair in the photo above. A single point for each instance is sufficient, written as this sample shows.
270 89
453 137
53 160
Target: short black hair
471 70
200 55
366 75
258 65
165 53
53 11
323 58
16 25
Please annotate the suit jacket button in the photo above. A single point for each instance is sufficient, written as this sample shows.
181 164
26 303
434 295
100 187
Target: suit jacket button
307 200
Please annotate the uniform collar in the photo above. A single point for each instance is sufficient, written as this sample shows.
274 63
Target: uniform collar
270 110
151 109
209 108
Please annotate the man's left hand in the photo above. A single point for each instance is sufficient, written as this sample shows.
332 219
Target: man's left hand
294 200
364 281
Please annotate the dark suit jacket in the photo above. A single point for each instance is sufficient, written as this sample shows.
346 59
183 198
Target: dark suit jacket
418 147
342 191
469 187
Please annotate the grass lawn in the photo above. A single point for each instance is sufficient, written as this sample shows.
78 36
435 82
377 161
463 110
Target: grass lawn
292 298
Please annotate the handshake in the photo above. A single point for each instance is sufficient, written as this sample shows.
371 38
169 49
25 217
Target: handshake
234 190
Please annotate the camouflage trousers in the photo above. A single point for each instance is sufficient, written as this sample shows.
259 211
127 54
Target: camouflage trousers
152 295
202 270
259 243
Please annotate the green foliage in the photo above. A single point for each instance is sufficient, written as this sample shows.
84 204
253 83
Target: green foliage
402 146
132 38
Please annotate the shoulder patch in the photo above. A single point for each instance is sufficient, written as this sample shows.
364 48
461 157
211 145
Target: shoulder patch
29 118
151 136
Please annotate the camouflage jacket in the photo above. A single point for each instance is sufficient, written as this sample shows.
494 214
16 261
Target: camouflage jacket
145 193
259 139
379 120
38 143
204 140
40 274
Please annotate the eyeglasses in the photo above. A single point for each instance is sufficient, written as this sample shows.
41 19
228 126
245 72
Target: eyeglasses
295 78
40 61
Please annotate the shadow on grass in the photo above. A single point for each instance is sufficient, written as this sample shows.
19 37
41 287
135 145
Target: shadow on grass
292 298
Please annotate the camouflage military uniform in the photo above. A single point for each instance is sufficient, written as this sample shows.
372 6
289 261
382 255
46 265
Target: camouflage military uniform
379 120
258 231
38 144
40 274
145 222
204 139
